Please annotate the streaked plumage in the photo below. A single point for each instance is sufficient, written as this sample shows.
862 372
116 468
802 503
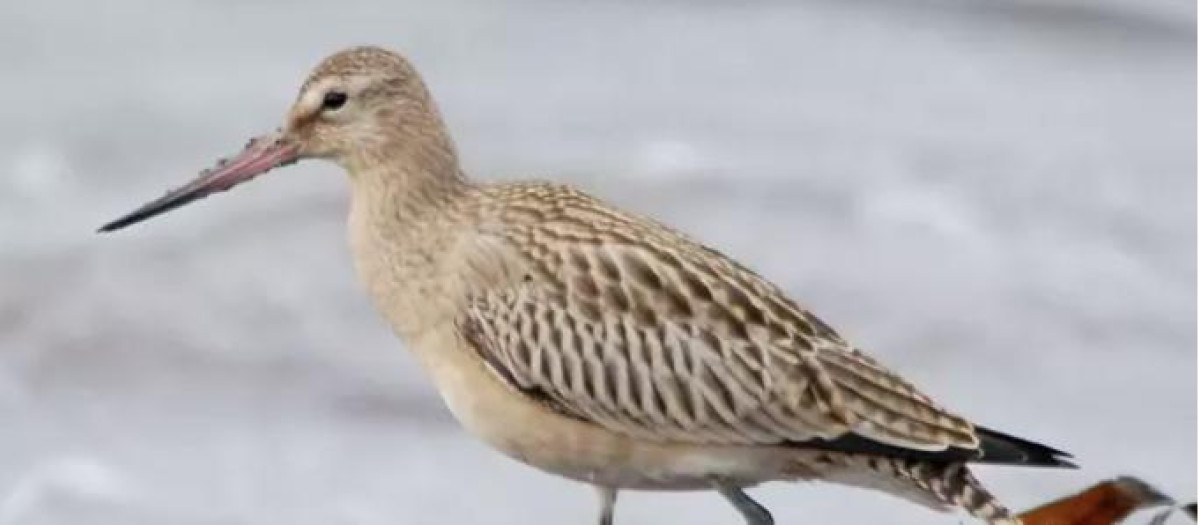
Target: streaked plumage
605 347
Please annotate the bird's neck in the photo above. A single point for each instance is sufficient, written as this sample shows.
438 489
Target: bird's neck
407 215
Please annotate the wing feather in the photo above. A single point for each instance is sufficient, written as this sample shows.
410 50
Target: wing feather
634 327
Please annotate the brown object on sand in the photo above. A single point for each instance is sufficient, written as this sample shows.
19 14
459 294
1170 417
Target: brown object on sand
1105 503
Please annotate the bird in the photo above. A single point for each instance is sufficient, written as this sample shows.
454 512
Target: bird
597 344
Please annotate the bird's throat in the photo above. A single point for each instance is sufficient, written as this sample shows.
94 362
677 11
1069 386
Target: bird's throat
402 227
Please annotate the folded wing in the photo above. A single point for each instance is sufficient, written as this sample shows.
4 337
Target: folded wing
640 330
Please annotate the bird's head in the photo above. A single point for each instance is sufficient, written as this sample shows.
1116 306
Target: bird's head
357 108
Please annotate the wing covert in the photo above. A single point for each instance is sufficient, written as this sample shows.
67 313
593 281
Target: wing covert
620 328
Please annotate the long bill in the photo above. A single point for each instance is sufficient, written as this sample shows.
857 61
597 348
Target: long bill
261 155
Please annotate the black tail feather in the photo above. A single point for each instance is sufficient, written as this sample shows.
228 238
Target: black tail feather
994 447
999 448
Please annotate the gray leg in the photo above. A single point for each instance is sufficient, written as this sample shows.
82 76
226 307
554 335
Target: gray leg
608 499
754 513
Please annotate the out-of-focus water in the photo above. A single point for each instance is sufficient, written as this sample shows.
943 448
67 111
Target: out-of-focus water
996 198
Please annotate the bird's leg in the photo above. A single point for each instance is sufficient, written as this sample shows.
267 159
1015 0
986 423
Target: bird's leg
608 499
754 513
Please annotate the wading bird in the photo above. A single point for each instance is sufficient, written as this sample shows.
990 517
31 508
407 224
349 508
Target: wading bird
596 344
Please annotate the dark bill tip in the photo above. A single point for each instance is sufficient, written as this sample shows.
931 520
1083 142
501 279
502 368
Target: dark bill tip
162 205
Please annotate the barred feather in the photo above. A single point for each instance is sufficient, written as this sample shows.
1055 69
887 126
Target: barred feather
632 326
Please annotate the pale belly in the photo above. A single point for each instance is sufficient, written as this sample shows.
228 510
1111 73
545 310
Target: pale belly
536 435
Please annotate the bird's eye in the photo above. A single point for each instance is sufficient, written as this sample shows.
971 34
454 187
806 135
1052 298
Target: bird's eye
333 100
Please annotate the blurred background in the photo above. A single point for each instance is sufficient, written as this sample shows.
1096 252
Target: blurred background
997 198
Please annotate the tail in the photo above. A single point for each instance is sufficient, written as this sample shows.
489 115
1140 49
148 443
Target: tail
953 484
938 485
